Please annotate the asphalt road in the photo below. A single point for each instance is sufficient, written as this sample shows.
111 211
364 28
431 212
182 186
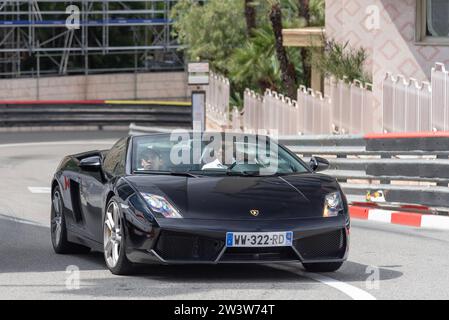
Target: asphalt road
386 262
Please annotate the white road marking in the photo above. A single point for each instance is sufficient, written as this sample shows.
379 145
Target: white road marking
21 221
40 190
349 290
56 143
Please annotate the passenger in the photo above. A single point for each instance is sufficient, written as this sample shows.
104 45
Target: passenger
151 160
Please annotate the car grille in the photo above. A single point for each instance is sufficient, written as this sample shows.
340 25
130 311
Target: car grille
331 245
174 246
259 254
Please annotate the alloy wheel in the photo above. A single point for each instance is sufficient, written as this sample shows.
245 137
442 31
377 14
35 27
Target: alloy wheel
112 235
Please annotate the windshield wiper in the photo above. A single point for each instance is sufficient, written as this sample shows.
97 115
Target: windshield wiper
244 173
166 173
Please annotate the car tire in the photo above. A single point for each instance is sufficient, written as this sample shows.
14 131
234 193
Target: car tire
58 228
322 267
114 240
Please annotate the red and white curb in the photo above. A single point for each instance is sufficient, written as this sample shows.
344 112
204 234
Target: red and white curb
401 218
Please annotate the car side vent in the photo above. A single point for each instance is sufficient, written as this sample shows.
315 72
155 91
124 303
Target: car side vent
76 200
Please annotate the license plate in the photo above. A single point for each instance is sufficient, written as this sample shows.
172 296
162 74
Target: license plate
261 239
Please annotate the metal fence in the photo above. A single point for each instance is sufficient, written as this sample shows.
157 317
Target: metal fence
217 99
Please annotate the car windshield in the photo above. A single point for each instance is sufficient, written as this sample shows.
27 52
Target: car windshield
212 154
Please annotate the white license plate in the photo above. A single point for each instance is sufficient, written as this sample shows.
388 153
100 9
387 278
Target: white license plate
260 239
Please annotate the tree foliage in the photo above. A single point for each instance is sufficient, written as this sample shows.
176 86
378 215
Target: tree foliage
341 61
211 31
223 32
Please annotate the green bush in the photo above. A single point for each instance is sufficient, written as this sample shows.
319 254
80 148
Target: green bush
341 61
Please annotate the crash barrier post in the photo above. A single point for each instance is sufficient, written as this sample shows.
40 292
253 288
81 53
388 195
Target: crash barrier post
218 94
95 113
407 169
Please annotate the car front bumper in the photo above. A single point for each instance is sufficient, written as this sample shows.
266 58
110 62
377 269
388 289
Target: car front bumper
188 241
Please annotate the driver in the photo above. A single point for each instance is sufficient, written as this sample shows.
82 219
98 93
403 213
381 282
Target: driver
150 160
218 160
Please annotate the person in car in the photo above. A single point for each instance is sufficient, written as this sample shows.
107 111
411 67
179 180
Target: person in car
150 160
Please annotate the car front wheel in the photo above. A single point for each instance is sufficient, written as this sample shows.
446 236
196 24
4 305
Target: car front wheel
114 240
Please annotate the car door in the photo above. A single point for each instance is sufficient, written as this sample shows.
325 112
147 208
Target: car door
95 186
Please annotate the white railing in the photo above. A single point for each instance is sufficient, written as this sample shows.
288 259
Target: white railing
314 112
353 109
407 104
440 98
271 113
350 111
217 99
253 116
280 114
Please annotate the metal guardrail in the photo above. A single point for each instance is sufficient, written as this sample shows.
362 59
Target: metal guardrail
408 169
96 113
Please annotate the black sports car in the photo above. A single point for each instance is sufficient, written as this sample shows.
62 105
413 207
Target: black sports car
199 198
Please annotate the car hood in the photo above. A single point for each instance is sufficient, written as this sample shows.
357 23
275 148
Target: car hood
233 198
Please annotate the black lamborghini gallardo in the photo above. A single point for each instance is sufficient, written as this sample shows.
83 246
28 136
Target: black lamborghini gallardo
199 200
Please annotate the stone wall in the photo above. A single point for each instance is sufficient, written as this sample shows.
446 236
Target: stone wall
141 86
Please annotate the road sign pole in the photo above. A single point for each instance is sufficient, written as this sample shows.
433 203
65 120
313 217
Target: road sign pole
199 110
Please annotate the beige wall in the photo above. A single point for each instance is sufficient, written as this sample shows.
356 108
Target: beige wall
171 85
392 46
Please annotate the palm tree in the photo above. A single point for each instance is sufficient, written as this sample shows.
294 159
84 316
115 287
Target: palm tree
250 16
287 68
255 64
304 14
304 10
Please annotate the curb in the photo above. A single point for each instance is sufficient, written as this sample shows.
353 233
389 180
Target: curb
400 218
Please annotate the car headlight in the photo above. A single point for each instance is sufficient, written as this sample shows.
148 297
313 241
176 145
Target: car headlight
333 204
161 205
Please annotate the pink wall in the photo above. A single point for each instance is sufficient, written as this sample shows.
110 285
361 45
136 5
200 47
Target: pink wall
392 46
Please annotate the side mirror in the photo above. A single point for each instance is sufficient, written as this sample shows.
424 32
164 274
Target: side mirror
91 163
318 164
